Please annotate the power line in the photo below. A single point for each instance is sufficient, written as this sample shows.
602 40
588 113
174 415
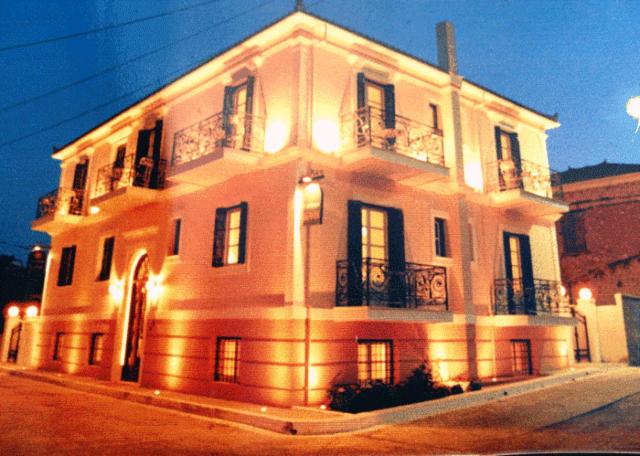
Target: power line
128 94
127 62
103 29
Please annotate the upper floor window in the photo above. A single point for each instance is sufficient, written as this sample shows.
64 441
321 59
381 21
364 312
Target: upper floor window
435 116
107 258
96 349
230 234
374 233
440 237
237 114
378 100
574 239
67 259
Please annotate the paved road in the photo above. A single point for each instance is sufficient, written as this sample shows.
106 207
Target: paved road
38 418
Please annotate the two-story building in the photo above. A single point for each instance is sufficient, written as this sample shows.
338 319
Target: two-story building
309 207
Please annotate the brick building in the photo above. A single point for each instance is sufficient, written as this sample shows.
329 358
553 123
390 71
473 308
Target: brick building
599 246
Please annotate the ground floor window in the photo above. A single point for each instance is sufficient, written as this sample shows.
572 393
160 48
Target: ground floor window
521 356
227 359
375 361
96 349
57 346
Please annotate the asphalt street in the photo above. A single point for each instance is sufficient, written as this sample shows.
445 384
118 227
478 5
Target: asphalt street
39 418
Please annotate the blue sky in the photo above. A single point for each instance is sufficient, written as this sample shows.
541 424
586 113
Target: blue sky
578 58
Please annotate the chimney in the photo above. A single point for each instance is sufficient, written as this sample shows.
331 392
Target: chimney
446 40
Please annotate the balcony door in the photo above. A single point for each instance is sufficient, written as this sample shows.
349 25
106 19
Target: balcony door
519 273
509 161
376 110
135 322
375 255
147 160
78 186
237 114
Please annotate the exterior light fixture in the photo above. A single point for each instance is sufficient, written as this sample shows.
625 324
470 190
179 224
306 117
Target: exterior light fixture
263 409
13 311
94 210
563 290
585 293
32 311
157 392
314 175
36 248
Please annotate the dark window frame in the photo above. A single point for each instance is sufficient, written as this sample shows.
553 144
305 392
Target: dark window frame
57 346
440 236
67 262
389 367
174 248
516 357
221 359
221 235
108 246
95 349
574 233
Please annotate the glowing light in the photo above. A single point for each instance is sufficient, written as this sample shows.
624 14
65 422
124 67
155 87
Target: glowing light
154 288
275 136
493 379
32 311
633 107
263 409
13 311
94 210
36 248
116 290
563 290
473 175
323 407
306 179
563 349
157 392
326 135
585 293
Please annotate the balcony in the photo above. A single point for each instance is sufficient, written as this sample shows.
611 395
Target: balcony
526 187
412 153
58 210
377 284
126 183
543 297
215 149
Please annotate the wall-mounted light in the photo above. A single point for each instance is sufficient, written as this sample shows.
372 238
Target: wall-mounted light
326 135
32 311
585 293
314 175
154 288
13 311
93 210
116 290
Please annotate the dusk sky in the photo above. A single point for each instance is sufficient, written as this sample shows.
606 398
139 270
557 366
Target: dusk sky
580 59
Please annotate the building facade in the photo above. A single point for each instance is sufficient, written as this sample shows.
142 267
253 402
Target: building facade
600 252
310 207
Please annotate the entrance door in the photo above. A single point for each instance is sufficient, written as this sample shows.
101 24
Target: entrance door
14 344
519 272
135 325
582 352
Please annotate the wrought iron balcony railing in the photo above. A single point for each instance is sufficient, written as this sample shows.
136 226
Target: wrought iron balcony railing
61 201
409 137
146 173
376 283
503 175
240 131
513 297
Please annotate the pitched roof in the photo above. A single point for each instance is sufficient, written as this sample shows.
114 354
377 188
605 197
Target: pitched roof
598 171
202 63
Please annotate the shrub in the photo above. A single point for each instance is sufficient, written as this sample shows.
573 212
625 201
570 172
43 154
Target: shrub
456 389
474 385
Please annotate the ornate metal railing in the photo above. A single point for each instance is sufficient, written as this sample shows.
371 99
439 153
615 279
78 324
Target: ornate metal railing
376 283
367 126
503 175
512 297
240 131
61 201
145 173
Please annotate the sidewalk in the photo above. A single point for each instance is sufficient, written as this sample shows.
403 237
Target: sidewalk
304 420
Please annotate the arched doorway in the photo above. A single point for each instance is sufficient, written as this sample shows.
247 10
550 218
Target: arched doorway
135 324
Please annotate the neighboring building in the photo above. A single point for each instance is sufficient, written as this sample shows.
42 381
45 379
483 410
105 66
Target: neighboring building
309 207
600 249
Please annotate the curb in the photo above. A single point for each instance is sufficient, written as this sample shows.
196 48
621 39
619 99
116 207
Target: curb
333 423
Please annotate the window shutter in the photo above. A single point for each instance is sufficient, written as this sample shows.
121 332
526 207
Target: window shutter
67 259
362 101
218 237
249 113
243 232
80 175
507 255
142 150
515 151
498 143
227 112
395 241
389 106
354 253
120 157
156 180
527 264
107 256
